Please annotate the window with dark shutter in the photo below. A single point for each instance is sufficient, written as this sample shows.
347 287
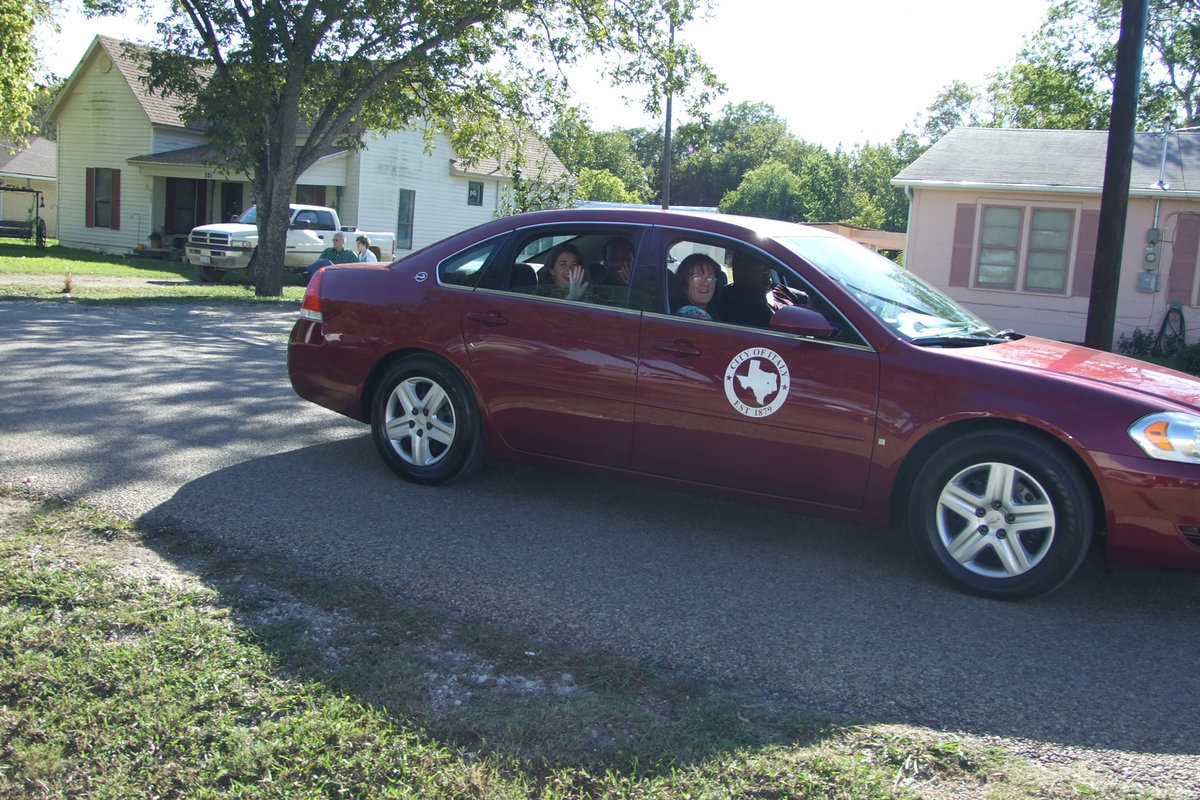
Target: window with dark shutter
102 197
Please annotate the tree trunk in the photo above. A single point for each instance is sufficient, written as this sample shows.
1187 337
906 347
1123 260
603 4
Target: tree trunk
273 194
273 218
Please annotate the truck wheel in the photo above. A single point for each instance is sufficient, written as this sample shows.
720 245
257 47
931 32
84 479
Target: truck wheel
209 274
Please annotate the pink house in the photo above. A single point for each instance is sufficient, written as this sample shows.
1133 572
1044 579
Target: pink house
1005 221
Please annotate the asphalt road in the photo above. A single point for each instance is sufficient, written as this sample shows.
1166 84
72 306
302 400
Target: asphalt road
185 415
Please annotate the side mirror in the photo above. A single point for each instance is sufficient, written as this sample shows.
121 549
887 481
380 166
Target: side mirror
802 321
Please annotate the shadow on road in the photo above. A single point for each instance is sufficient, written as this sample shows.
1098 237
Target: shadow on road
828 618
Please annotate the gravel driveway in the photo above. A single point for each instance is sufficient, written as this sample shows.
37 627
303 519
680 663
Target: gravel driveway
184 414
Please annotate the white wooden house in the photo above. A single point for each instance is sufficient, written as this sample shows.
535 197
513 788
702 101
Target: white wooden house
1006 222
129 168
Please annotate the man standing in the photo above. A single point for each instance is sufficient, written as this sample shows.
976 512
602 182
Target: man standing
338 254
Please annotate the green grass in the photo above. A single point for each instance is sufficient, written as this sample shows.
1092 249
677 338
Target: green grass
56 271
147 664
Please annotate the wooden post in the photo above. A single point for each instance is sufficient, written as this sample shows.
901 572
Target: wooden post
1114 198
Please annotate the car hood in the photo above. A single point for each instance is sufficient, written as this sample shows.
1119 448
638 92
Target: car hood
1084 363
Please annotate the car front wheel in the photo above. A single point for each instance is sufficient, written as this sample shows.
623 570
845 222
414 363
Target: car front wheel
425 422
1001 514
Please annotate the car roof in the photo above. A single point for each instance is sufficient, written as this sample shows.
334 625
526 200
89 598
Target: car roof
716 222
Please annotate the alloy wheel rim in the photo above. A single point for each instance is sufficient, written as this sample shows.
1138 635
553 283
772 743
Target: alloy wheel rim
420 421
995 520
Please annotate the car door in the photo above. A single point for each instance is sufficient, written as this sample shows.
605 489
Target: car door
557 375
753 408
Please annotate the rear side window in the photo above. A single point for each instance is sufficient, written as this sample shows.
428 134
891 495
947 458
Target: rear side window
464 269
603 255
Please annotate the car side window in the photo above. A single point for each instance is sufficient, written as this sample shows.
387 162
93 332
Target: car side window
727 282
591 264
465 268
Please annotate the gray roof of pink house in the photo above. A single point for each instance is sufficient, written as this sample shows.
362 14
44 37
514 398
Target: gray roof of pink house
1054 161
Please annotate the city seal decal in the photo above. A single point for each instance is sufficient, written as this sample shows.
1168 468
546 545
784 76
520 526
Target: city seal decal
757 382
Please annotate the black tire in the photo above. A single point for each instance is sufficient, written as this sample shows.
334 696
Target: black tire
1001 514
425 421
209 274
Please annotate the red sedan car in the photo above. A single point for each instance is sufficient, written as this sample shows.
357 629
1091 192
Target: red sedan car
764 361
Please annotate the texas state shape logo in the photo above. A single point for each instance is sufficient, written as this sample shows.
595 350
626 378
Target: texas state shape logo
757 382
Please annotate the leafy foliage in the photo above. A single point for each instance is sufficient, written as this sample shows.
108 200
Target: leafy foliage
1063 77
744 161
279 85
1081 36
600 184
611 152
19 96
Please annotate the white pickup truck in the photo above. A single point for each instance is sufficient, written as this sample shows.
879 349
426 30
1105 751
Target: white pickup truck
228 247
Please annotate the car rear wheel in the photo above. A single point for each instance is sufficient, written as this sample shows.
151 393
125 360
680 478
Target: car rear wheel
1001 514
425 422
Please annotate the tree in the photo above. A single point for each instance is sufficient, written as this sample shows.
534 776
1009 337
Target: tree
1043 91
874 202
828 185
712 158
957 104
771 190
579 147
280 83
1064 77
600 184
19 96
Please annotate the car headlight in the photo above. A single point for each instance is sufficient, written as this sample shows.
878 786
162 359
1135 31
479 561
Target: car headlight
242 243
1169 436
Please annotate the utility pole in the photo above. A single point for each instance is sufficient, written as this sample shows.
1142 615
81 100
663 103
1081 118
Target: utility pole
1114 198
666 159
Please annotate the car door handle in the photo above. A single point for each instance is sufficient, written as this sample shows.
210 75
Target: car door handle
679 347
491 319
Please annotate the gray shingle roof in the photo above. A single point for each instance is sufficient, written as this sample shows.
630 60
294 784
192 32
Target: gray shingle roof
536 159
37 160
1053 161
160 110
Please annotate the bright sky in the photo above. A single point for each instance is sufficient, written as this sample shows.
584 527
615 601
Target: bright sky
839 73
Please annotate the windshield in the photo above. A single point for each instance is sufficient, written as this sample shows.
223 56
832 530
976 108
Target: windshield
249 216
904 302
